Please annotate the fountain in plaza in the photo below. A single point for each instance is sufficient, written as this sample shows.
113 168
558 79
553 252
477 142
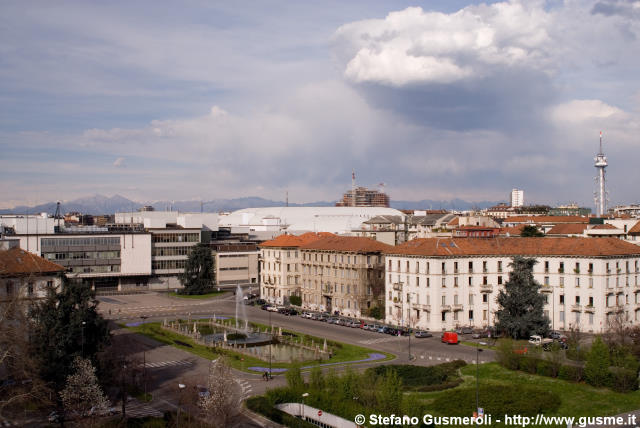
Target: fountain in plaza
241 310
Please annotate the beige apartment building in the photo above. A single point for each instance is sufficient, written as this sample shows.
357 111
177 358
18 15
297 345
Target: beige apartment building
280 270
343 274
236 263
438 284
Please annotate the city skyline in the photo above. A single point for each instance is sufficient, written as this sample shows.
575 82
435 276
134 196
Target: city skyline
454 99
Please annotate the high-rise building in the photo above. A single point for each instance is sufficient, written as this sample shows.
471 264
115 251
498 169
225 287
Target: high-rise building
364 198
517 198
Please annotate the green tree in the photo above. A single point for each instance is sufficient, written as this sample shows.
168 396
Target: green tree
316 379
530 231
596 369
389 393
198 272
66 325
294 377
376 312
521 304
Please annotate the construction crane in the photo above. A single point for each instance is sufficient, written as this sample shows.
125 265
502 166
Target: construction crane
58 215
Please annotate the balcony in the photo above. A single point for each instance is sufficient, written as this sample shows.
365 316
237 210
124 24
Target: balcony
590 271
423 307
589 309
456 308
486 288
576 271
560 270
576 308
445 308
546 289
397 287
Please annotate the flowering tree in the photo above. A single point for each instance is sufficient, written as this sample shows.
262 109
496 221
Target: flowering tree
221 403
82 394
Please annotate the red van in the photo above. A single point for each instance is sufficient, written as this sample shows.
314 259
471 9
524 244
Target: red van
450 337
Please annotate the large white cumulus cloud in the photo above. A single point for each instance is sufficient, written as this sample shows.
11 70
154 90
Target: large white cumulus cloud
417 46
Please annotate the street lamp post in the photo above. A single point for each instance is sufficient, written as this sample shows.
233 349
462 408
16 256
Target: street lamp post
478 350
144 362
181 387
409 329
82 337
270 342
306 394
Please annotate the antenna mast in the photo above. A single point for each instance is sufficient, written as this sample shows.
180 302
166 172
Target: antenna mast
601 194
353 187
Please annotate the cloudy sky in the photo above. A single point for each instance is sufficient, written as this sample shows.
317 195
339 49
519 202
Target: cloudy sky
203 99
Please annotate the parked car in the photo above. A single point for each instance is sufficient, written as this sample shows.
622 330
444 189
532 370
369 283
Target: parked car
265 307
479 334
555 335
450 337
422 333
271 308
537 340
464 330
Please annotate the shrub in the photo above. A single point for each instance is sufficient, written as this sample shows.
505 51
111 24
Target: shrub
545 368
499 399
623 380
295 300
529 364
596 370
507 358
570 373
418 378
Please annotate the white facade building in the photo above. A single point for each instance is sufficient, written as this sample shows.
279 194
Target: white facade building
517 198
273 221
438 284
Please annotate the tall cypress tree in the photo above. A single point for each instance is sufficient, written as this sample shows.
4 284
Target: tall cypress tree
521 304
198 272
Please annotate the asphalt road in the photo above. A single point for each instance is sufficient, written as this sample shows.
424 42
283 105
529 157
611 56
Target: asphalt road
167 366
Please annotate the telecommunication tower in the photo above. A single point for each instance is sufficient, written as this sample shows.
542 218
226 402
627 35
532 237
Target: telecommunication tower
601 193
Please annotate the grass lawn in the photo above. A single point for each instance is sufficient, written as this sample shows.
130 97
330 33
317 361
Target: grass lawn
577 399
196 296
343 352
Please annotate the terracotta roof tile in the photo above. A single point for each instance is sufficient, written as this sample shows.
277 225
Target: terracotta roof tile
348 243
16 261
512 231
517 246
294 241
454 222
635 230
604 226
567 229
538 219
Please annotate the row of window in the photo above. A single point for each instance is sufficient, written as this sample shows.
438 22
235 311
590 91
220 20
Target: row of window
577 267
171 251
82 255
341 258
167 264
175 237
95 269
235 268
75 242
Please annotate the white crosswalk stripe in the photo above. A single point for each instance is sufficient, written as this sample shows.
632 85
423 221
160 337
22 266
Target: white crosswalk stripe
379 340
168 364
246 388
140 410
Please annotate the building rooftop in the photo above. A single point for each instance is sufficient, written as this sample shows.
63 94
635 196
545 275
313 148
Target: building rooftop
568 229
517 246
17 262
295 241
635 230
348 244
548 219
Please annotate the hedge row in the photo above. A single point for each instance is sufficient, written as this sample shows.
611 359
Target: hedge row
418 378
524 400
620 379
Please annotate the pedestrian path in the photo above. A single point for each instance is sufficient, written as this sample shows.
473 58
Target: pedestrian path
168 364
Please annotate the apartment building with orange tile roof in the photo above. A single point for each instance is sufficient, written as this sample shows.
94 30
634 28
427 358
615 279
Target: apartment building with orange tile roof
280 266
439 284
25 275
343 275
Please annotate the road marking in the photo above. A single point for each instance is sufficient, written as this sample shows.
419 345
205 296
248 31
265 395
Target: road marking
168 364
140 410
379 340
